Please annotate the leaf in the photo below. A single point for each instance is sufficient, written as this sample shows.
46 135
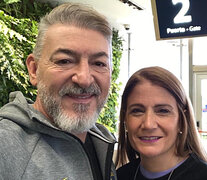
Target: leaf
11 1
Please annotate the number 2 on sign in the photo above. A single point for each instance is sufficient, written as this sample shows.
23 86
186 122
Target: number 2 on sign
181 17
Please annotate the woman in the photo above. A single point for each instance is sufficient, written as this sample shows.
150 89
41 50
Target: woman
158 138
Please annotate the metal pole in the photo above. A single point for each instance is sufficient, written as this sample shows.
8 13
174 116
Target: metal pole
129 51
190 49
181 59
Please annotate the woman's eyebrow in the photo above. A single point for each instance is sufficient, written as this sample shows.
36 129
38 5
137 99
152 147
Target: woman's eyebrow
163 105
136 105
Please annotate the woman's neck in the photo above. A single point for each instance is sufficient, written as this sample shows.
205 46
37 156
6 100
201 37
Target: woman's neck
159 164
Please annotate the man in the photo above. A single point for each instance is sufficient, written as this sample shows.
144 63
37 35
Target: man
56 137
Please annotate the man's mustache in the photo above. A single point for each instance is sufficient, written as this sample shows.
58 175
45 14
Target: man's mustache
75 89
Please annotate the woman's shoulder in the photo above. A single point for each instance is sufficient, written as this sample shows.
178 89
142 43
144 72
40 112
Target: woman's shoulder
194 163
192 169
128 170
197 161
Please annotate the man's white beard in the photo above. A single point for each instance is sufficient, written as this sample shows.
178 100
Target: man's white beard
76 125
80 123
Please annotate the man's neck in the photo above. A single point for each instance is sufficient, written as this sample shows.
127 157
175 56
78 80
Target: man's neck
81 136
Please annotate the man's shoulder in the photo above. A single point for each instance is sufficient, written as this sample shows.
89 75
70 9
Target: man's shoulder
11 132
8 128
14 151
16 103
16 139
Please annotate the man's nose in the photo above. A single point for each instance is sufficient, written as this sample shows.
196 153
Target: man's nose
83 75
149 120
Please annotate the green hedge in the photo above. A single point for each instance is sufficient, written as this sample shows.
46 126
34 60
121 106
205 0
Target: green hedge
18 31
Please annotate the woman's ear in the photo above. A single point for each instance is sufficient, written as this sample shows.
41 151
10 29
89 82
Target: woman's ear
32 69
125 127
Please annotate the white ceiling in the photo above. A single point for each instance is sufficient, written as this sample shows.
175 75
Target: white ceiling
117 12
145 4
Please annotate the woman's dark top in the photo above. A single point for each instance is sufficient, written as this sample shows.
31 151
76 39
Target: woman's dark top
192 169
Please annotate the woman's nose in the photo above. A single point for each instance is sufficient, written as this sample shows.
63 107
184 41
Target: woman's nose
149 120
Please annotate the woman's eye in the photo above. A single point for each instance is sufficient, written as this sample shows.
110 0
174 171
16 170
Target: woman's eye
163 111
136 111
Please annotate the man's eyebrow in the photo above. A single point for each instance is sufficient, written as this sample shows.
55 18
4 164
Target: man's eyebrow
64 51
99 54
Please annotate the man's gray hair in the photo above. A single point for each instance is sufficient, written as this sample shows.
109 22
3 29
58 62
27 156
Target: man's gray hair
72 14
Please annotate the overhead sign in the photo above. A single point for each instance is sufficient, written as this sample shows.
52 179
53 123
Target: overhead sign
179 18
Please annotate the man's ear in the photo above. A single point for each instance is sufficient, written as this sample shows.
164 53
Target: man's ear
32 69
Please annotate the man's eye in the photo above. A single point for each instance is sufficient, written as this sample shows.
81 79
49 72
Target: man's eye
100 64
63 61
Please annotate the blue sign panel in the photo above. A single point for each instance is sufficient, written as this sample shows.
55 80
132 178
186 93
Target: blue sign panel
179 18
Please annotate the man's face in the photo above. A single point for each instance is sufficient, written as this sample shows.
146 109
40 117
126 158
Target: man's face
73 76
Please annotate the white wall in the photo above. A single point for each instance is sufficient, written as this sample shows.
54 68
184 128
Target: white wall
146 51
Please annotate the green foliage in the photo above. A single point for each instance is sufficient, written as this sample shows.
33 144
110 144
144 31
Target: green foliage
25 8
18 31
11 1
14 49
108 116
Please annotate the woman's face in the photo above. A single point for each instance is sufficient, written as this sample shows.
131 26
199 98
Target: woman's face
152 121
